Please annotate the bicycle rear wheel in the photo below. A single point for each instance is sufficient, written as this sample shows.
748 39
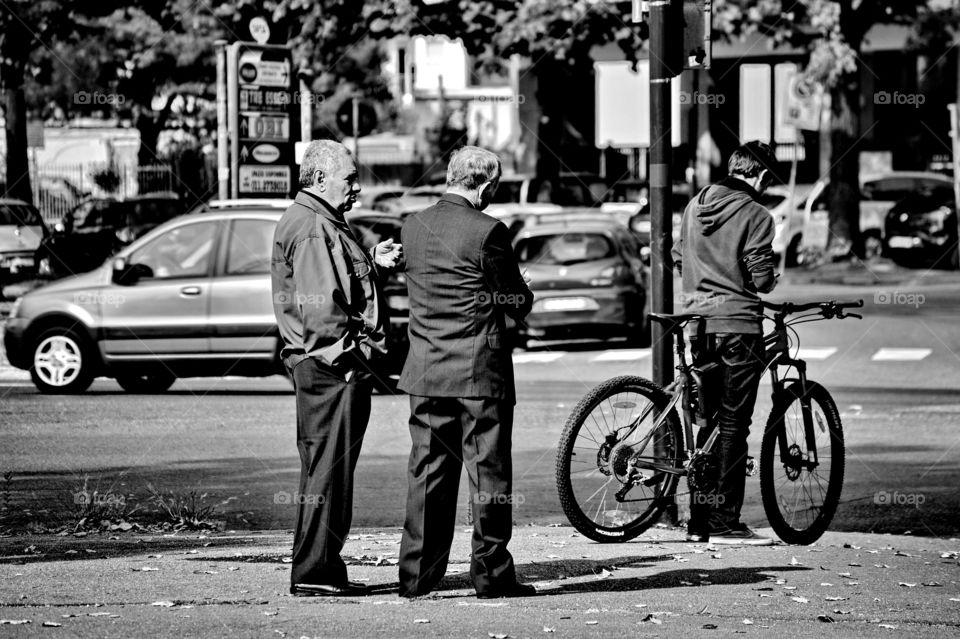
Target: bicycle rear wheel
595 453
800 494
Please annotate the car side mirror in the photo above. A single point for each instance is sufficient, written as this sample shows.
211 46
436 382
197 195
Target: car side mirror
126 274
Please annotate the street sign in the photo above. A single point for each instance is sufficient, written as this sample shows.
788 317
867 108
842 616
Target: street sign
262 122
259 29
802 104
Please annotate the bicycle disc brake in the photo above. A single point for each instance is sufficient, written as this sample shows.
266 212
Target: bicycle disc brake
702 472
793 463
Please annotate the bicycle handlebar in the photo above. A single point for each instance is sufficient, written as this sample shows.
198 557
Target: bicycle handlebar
830 308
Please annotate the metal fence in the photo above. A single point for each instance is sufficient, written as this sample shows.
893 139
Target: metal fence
58 188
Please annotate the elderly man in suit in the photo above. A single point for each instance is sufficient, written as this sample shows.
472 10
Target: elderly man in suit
463 282
332 319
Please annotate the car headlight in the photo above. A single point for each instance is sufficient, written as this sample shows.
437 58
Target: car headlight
15 308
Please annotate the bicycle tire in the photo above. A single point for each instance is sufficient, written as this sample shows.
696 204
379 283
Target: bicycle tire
785 418
572 485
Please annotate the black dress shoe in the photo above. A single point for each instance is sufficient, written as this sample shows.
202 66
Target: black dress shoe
514 590
349 589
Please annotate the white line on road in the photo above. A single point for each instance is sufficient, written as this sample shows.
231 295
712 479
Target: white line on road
816 353
526 358
900 354
622 355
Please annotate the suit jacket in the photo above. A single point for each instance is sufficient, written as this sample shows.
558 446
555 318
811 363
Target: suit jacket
463 280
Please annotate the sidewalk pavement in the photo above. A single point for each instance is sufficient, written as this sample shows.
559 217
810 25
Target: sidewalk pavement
236 585
876 272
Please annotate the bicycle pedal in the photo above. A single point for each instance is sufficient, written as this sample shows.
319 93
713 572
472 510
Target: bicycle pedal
751 467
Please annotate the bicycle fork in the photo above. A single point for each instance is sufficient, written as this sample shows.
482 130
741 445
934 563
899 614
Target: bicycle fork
811 460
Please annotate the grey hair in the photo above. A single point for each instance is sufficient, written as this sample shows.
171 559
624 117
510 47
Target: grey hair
471 166
321 155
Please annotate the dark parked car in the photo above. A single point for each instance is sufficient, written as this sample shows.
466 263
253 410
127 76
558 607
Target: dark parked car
588 278
21 232
97 228
921 230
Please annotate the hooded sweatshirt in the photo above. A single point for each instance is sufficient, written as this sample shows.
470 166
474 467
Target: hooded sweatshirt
725 257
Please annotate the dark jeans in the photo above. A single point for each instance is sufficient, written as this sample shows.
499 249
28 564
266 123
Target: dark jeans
730 393
448 433
332 415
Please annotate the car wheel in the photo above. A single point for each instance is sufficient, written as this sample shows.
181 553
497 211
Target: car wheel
153 382
62 362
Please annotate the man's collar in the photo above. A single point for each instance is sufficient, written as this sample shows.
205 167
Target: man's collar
318 204
459 200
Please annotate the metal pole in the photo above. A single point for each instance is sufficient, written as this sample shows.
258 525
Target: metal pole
223 149
661 218
355 118
306 105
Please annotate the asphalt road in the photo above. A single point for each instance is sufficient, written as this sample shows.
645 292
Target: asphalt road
894 376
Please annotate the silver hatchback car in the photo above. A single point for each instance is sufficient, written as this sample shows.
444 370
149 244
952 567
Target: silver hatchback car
191 298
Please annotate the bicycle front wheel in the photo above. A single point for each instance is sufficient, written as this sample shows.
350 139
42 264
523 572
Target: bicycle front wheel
615 472
802 463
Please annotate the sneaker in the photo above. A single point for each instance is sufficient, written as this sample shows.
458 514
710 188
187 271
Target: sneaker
739 536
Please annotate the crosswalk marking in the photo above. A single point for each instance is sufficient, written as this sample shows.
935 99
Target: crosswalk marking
525 358
900 354
816 353
622 355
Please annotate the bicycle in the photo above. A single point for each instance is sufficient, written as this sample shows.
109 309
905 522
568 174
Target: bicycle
623 451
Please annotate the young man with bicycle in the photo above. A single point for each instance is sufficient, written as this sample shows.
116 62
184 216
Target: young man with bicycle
725 257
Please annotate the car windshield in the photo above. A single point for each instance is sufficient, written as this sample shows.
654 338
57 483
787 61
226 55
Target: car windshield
19 214
564 249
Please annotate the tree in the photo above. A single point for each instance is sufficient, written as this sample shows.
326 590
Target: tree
554 37
833 33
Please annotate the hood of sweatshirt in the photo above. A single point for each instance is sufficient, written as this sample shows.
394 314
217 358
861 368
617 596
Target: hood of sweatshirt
719 202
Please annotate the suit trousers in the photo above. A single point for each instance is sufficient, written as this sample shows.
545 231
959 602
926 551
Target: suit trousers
730 393
332 415
448 433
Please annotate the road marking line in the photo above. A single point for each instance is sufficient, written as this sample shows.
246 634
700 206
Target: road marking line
816 352
526 358
622 355
900 354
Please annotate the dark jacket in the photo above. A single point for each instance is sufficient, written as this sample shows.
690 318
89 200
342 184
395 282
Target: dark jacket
463 280
316 259
725 257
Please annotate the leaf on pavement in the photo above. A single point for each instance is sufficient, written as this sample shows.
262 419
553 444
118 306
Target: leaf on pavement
907 585
52 624
164 604
549 629
933 584
13 622
800 599
592 622
496 635
794 562
825 619
709 626
747 622
842 612
145 569
888 626
421 621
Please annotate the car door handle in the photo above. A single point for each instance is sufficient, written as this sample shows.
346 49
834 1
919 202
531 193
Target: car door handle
190 291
